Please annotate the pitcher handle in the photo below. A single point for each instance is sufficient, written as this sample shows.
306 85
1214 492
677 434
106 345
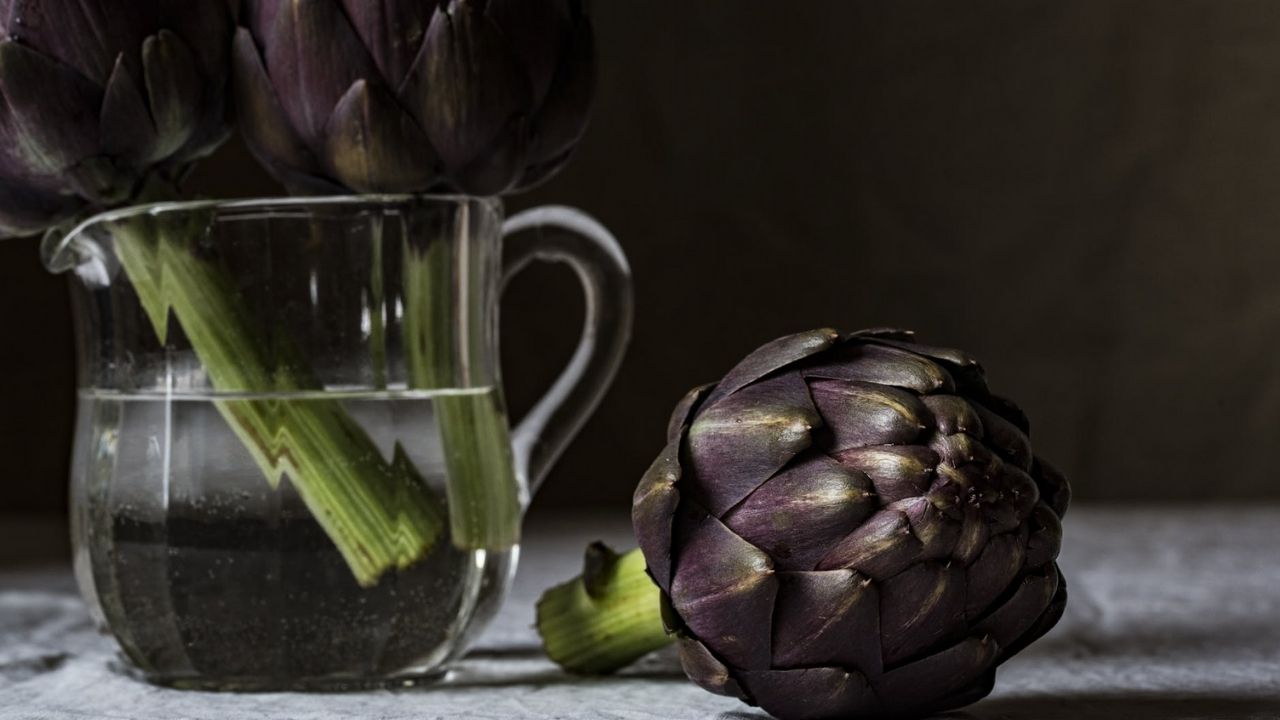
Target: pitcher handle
563 234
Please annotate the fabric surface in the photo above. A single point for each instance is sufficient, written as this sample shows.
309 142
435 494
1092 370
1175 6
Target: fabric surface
1174 614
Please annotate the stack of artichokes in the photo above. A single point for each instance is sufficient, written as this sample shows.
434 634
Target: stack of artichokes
843 526
333 96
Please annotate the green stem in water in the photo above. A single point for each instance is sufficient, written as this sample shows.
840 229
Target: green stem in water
606 618
483 493
380 514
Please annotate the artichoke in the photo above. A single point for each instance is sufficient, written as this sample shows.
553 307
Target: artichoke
99 94
844 526
482 96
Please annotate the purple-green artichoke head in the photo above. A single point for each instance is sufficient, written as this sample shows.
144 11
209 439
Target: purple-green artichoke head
370 96
852 525
98 94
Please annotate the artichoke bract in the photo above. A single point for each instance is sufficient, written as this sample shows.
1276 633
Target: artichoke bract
481 96
98 94
846 525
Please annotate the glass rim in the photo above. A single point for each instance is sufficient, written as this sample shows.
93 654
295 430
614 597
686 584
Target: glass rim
57 241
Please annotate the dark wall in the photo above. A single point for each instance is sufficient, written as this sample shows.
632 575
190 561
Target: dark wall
1084 194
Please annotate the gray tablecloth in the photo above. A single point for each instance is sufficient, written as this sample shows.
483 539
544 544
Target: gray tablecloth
1174 614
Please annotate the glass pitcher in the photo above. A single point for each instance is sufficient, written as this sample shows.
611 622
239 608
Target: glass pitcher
292 464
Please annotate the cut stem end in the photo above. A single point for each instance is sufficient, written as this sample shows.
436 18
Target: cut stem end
606 618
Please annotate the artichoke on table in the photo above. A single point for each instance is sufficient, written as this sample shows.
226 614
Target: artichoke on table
844 526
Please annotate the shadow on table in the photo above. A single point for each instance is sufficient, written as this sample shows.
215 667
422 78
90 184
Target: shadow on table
513 652
543 678
1098 707
1121 707
501 667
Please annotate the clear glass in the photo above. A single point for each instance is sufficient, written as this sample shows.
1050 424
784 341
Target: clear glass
292 464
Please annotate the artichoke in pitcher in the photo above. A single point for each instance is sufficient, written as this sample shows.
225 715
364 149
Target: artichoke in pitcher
97 95
482 96
846 525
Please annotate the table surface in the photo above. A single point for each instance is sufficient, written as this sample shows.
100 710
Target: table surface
1174 614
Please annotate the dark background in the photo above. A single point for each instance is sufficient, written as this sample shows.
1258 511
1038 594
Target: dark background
1084 194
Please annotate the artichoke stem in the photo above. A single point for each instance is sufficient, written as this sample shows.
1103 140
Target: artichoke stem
480 481
380 515
606 618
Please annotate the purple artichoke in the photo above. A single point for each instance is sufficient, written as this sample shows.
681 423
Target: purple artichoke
844 526
98 94
482 96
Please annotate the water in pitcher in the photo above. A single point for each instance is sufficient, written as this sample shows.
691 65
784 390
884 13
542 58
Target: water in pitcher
197 555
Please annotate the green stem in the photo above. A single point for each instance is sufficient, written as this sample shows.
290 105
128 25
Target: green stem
377 299
606 618
480 481
380 514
